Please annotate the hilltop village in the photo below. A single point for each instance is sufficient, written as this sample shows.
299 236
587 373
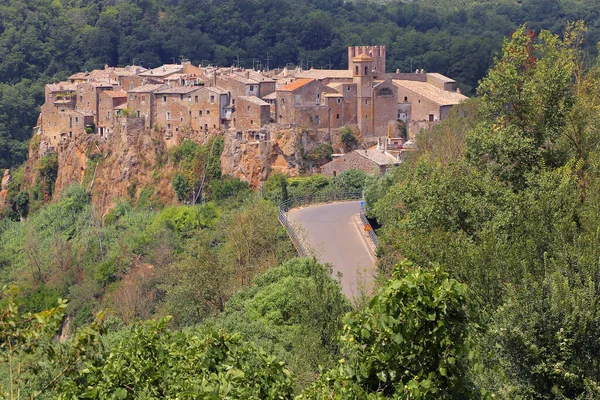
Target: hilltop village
187 101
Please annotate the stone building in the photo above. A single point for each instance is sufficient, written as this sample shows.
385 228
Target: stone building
178 99
372 161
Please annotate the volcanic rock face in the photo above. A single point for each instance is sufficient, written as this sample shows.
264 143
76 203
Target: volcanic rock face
132 159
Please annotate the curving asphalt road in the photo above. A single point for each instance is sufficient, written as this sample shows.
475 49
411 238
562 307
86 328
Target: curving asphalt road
329 233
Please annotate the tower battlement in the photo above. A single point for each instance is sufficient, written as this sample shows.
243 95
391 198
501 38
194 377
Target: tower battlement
377 53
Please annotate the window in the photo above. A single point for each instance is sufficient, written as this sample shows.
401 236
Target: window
419 101
168 115
366 101
232 102
164 99
318 98
181 97
337 116
130 97
143 99
339 101
405 99
169 127
196 99
76 119
138 113
207 112
317 119
385 92
356 70
190 99
251 88
367 70
70 134
248 108
200 113
212 99
80 98
430 117
108 115
251 122
348 88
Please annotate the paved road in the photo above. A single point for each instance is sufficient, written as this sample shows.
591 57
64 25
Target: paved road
329 233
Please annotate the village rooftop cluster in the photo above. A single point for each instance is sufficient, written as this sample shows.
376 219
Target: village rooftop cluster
183 99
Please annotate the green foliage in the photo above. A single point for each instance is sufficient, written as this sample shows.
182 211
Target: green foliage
347 137
525 100
294 312
414 340
48 172
350 180
322 152
228 187
275 188
153 362
303 186
182 187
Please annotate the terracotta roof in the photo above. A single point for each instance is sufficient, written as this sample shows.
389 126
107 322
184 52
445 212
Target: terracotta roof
254 99
163 71
362 57
427 90
298 83
148 88
62 87
115 93
441 77
325 73
377 156
121 106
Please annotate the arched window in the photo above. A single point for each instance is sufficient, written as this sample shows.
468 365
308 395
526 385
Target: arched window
385 92
367 70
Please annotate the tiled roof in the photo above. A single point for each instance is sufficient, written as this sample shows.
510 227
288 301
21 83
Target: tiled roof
115 93
325 73
298 83
437 95
441 77
378 157
148 88
62 87
163 71
270 96
362 57
254 99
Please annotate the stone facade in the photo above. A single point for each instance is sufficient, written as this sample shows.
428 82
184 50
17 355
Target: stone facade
182 99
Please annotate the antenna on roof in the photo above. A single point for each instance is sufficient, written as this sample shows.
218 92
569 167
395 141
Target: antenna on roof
238 60
173 58
269 58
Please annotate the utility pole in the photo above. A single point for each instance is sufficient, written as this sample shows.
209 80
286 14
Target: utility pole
238 60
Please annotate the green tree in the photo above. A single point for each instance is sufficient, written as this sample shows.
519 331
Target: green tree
525 100
414 340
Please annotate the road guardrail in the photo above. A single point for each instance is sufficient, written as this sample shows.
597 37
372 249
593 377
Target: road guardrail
320 198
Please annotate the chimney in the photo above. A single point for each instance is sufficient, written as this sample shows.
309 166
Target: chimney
247 74
398 71
458 90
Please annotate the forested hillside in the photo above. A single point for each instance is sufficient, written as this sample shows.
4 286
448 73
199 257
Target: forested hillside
44 41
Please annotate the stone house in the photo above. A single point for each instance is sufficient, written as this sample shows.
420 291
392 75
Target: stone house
251 113
372 161
111 103
141 102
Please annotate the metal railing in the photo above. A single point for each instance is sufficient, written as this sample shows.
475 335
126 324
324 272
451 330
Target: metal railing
363 217
319 198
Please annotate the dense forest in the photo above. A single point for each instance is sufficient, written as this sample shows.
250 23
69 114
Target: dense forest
45 41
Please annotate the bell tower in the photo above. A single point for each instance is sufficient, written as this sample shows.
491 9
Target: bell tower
362 75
